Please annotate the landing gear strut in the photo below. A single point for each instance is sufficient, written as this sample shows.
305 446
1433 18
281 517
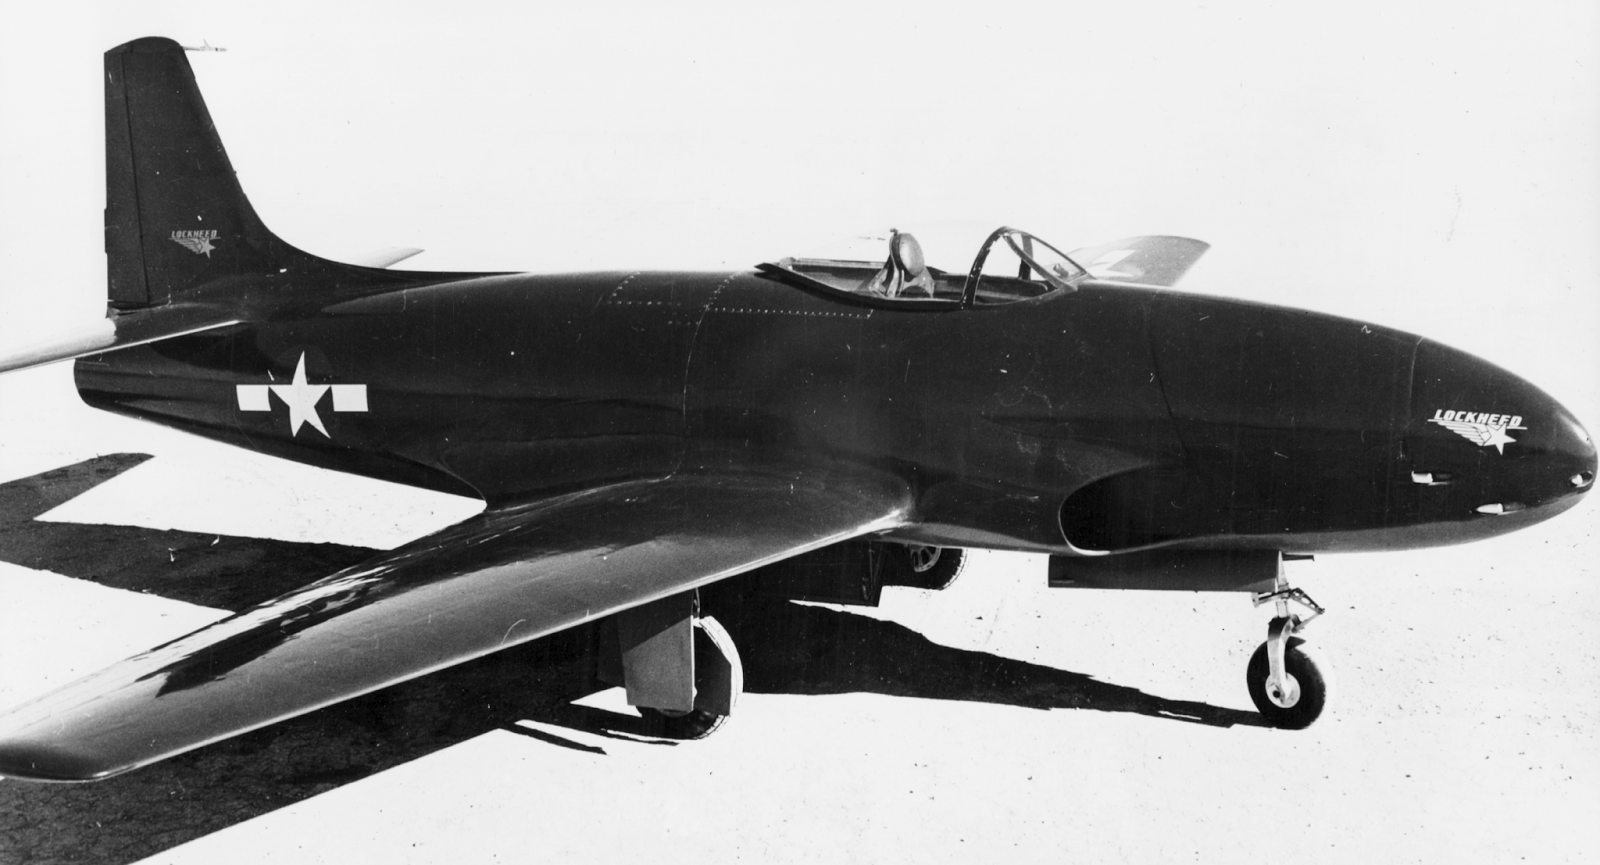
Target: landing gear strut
719 679
681 670
1287 684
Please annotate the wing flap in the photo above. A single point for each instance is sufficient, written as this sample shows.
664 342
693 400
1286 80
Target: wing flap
502 578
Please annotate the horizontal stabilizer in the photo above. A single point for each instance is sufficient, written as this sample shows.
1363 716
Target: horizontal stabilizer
119 331
1153 260
502 578
387 257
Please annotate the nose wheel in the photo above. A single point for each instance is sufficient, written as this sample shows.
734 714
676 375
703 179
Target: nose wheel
1288 683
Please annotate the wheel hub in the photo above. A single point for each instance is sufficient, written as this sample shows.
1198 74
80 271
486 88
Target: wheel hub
924 558
1288 695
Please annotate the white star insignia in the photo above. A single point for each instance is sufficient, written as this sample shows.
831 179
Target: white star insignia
302 397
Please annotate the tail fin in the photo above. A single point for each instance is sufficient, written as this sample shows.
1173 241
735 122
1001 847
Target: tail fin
176 218
184 248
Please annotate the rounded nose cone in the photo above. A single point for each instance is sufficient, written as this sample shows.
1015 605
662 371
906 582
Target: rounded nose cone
1504 444
1570 454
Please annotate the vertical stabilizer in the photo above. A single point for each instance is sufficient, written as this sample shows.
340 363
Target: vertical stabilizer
185 252
176 218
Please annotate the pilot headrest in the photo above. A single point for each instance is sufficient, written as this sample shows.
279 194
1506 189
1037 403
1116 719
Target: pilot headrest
907 252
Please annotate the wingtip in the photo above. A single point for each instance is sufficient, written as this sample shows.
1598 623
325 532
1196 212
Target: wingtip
29 761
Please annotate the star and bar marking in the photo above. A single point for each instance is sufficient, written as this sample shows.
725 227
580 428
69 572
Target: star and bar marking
302 397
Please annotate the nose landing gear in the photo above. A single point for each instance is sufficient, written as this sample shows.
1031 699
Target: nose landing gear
1287 683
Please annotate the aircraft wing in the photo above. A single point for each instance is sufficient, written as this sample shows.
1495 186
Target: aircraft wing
501 578
1152 260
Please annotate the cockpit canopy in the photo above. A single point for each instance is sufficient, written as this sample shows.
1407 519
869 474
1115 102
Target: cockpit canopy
1012 265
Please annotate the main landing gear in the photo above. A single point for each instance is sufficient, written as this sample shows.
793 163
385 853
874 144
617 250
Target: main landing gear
718 680
922 567
681 670
1287 683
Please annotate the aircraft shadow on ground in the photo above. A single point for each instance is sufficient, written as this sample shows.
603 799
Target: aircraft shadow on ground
210 570
786 649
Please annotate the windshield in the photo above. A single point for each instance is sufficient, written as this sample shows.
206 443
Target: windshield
1011 265
1015 265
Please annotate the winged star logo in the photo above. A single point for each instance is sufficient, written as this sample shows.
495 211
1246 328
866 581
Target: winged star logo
1480 428
301 397
196 241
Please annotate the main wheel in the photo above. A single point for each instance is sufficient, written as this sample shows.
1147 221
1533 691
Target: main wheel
718 681
1307 692
923 567
693 724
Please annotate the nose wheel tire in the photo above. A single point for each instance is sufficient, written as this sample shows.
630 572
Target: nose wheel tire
1307 679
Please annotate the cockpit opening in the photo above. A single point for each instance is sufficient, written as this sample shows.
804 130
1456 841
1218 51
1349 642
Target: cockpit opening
1012 265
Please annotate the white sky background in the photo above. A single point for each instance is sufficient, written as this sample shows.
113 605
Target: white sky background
1434 167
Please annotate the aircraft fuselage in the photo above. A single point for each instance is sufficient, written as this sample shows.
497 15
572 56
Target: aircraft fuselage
1112 417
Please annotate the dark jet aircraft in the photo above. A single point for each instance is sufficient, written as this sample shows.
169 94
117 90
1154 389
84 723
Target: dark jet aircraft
812 428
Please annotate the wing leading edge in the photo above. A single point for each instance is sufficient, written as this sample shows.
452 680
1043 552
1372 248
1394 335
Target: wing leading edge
504 577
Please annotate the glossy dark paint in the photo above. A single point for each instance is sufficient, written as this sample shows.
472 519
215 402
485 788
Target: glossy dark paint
1157 417
499 579
1108 417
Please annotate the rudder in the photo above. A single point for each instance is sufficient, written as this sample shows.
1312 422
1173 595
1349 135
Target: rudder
185 251
176 217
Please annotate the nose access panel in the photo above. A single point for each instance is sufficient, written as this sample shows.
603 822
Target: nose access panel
1290 419
1487 446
